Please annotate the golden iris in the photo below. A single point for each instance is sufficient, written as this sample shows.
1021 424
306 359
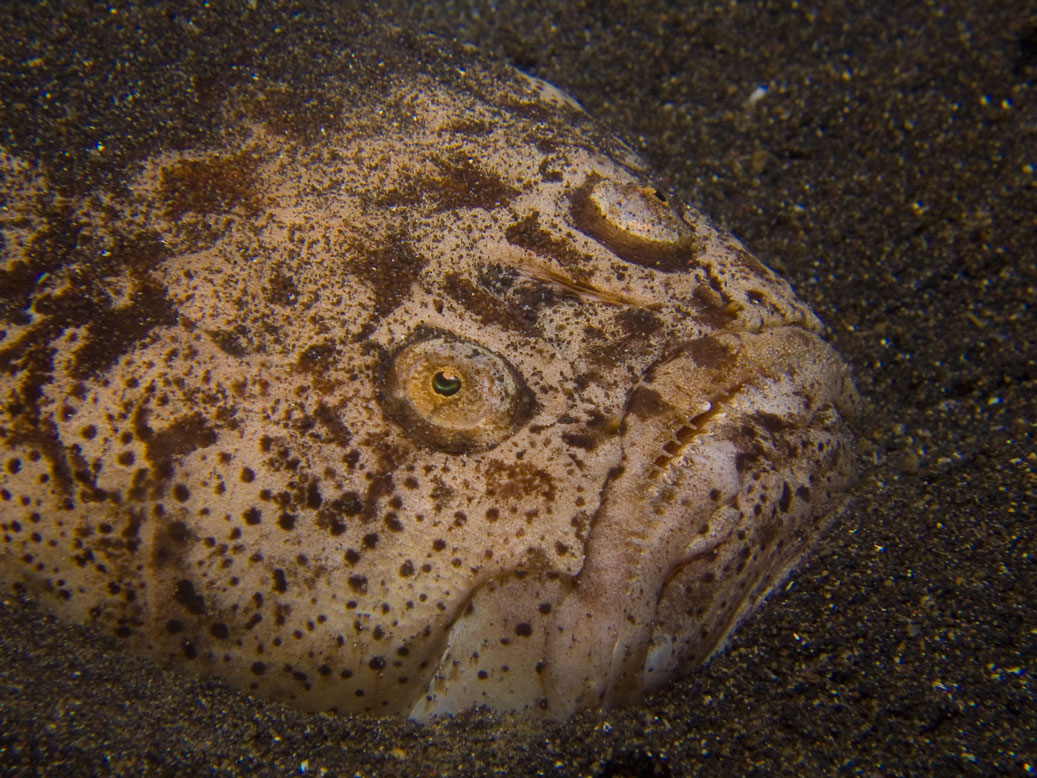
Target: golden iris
454 395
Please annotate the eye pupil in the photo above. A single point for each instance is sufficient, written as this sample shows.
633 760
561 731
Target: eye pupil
445 384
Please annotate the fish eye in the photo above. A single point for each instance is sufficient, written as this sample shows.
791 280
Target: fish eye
454 395
446 384
636 223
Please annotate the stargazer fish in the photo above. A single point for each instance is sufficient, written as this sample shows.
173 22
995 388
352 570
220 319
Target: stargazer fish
408 393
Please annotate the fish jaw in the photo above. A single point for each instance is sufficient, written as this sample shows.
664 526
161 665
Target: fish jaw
713 504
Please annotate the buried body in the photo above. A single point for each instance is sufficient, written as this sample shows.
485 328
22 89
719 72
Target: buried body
439 401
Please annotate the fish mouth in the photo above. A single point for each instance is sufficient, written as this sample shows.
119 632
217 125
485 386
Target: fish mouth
734 452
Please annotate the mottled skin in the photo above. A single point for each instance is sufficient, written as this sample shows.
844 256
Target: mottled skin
218 442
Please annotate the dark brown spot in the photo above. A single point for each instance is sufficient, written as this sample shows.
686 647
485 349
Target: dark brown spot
281 289
638 323
709 353
348 504
179 438
280 582
389 270
330 419
210 186
114 331
529 235
286 521
380 486
646 403
318 358
548 172
771 422
185 594
518 481
588 441
463 184
313 495
460 183
179 532
229 342
488 308
298 112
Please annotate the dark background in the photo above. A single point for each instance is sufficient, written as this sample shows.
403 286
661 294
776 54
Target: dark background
889 172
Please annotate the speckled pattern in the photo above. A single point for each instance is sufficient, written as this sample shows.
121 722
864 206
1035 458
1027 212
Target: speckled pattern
425 400
887 171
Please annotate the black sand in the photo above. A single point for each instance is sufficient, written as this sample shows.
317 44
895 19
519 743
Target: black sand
890 172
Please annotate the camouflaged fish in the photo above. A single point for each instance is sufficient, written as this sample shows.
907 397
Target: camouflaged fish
433 398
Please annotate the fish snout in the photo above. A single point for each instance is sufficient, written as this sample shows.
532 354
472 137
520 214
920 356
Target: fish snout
735 453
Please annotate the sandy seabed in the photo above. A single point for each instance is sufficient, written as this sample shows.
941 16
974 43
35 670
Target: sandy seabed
883 157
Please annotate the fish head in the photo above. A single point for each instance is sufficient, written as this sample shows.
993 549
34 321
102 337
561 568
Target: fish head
450 404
